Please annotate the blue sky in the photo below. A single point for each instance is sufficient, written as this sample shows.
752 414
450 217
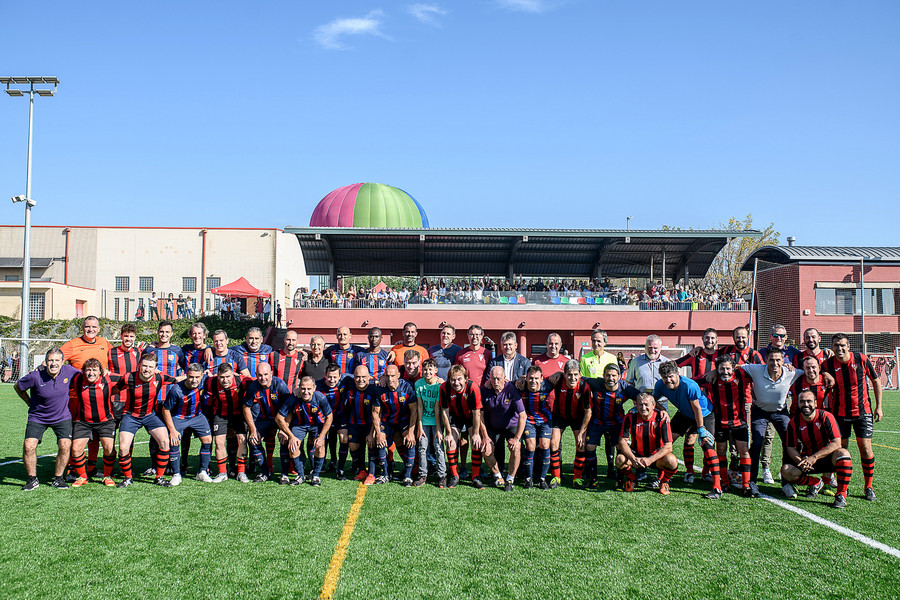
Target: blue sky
498 113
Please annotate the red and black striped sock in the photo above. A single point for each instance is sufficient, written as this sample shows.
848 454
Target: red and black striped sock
241 464
578 465
222 463
78 465
723 470
807 480
745 471
162 461
627 472
453 462
868 469
712 459
125 465
667 474
844 471
108 463
93 451
476 464
688 458
555 463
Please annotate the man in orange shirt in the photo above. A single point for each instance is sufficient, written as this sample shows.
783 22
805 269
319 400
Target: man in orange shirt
88 345
410 331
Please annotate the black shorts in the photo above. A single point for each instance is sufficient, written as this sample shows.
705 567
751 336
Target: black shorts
823 465
82 430
562 423
221 425
683 426
118 411
499 436
740 433
62 429
861 426
459 423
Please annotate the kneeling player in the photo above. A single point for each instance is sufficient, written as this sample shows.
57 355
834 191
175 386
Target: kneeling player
181 413
814 446
93 417
310 416
646 440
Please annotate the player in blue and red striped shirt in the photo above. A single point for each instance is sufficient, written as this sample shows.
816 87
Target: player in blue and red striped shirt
262 400
222 354
181 413
356 406
343 354
375 358
394 420
253 351
538 399
169 361
331 386
310 415
198 351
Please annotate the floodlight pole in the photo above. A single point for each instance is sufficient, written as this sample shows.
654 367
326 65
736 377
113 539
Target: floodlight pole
26 253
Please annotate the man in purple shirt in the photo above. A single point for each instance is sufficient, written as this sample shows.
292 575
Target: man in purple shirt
48 406
505 418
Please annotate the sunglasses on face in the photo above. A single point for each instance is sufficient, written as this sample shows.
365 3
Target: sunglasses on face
779 335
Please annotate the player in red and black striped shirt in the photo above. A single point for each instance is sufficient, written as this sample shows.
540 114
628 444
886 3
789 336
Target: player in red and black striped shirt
287 363
93 417
728 395
814 446
571 408
849 402
814 381
460 401
142 390
702 360
741 351
646 440
224 393
811 339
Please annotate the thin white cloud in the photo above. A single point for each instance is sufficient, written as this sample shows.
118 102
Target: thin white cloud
427 13
530 6
330 36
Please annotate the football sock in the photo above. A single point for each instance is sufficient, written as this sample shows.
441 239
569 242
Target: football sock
222 464
175 458
590 465
162 461
476 463
409 459
356 459
712 459
843 470
298 463
318 463
78 465
256 451
452 464
555 464
205 456
807 480
578 464
125 465
868 469
383 460
627 472
241 464
745 471
666 474
342 456
108 463
723 470
528 463
688 458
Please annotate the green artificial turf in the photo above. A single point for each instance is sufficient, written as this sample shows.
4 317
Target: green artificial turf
269 541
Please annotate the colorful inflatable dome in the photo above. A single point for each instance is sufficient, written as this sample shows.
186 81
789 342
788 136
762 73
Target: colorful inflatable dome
369 205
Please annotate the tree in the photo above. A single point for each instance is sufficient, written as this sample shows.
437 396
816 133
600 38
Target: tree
725 276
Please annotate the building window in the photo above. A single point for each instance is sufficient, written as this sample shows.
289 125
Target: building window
36 306
116 308
11 278
213 282
122 283
845 301
145 284
188 284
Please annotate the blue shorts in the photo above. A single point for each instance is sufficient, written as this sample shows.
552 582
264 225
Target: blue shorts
132 424
541 431
357 433
596 432
265 427
301 431
199 425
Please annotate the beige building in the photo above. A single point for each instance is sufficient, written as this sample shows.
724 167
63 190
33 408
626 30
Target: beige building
111 271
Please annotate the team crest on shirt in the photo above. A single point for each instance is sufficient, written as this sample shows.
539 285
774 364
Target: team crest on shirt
506 401
401 399
66 380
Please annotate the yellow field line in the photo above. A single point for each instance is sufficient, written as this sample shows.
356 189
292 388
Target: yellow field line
340 551
883 446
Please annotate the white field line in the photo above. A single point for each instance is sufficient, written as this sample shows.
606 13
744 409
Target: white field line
840 529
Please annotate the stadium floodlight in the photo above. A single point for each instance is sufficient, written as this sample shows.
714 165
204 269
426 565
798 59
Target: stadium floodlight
18 87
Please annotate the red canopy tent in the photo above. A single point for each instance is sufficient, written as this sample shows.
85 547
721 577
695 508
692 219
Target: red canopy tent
239 289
